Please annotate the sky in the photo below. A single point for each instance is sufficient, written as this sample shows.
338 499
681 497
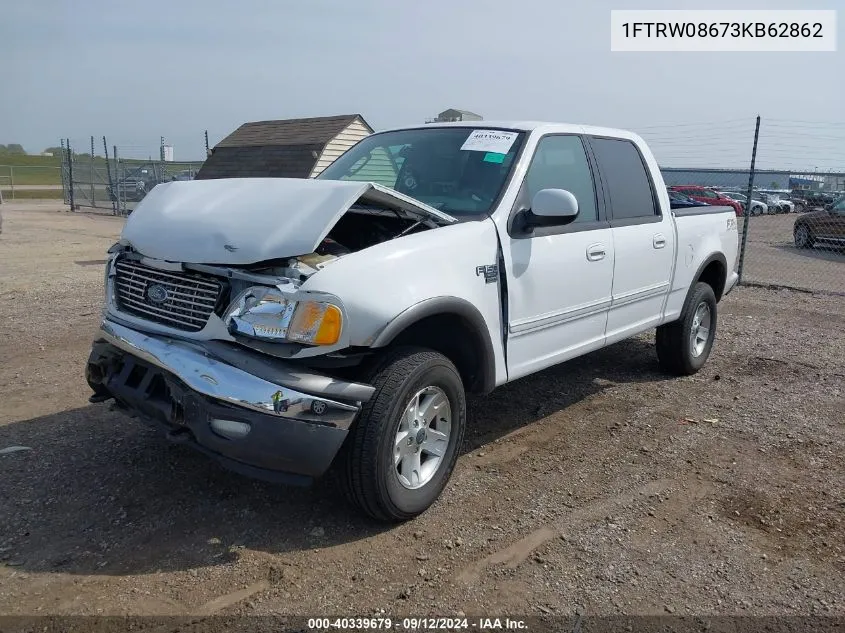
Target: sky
137 71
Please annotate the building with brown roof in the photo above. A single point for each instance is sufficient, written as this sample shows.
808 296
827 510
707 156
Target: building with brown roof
292 148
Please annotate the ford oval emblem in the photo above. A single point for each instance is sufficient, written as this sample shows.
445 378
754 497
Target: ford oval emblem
156 293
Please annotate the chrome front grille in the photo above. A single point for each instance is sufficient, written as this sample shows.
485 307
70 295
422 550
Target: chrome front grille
180 300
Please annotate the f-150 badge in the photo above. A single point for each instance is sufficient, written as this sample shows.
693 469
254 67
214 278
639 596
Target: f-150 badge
490 273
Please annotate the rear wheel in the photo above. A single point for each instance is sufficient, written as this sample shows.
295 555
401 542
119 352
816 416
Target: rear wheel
401 452
683 346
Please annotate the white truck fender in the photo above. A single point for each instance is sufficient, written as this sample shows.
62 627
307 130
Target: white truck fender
447 270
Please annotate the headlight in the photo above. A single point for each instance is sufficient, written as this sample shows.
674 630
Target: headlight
267 314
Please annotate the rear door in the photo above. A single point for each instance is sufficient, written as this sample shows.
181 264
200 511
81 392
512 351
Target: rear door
643 238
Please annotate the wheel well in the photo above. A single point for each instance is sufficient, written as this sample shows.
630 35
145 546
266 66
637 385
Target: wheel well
714 275
455 337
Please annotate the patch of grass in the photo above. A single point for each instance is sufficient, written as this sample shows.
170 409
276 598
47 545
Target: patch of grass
22 175
31 194
26 160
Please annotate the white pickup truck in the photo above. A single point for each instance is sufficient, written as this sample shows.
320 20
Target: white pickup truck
283 326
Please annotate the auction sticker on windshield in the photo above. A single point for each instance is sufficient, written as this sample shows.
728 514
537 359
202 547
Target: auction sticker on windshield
493 141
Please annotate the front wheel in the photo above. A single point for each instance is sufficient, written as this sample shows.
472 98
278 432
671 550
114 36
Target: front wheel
683 346
803 239
401 452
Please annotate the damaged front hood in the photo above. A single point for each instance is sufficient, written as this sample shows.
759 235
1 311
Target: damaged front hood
246 220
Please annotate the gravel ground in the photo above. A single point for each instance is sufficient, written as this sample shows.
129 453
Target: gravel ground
599 485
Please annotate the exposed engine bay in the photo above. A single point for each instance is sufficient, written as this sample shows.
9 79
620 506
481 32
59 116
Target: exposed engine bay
361 227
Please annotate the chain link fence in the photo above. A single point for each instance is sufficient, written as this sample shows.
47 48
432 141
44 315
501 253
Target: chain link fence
792 231
795 237
119 185
112 183
30 181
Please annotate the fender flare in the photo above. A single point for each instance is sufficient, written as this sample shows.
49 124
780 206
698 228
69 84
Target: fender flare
447 306
713 257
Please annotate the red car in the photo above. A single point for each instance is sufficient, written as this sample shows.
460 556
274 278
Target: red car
703 194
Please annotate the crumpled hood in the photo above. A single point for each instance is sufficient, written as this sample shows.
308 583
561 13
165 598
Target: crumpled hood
246 220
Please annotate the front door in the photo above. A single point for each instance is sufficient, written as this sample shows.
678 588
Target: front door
559 279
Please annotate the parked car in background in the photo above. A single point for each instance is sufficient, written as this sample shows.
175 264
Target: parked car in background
805 200
733 197
758 207
778 201
772 201
185 174
825 227
678 200
135 185
708 196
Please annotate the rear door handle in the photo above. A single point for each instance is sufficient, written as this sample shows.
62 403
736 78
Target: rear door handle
659 241
595 252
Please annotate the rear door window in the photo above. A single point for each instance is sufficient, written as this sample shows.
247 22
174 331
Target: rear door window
628 183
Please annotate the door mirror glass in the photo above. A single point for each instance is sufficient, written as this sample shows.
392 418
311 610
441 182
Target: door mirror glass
555 203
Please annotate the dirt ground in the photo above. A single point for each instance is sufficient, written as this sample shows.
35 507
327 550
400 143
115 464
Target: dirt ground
600 485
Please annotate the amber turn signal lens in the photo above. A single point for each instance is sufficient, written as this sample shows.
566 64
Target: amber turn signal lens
329 331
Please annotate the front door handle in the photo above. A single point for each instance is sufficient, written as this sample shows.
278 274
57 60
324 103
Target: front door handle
595 252
659 241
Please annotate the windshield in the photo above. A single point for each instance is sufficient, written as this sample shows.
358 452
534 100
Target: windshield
460 171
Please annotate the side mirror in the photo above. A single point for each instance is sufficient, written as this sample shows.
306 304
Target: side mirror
555 204
549 207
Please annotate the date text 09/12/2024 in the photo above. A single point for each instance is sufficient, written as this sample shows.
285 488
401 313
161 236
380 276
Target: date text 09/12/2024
416 624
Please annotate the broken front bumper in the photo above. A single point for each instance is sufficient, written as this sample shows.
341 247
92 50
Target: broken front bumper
235 405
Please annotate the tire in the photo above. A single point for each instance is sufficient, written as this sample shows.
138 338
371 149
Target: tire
756 210
370 474
803 237
680 348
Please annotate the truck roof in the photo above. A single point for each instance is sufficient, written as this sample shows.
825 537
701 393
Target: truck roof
544 127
